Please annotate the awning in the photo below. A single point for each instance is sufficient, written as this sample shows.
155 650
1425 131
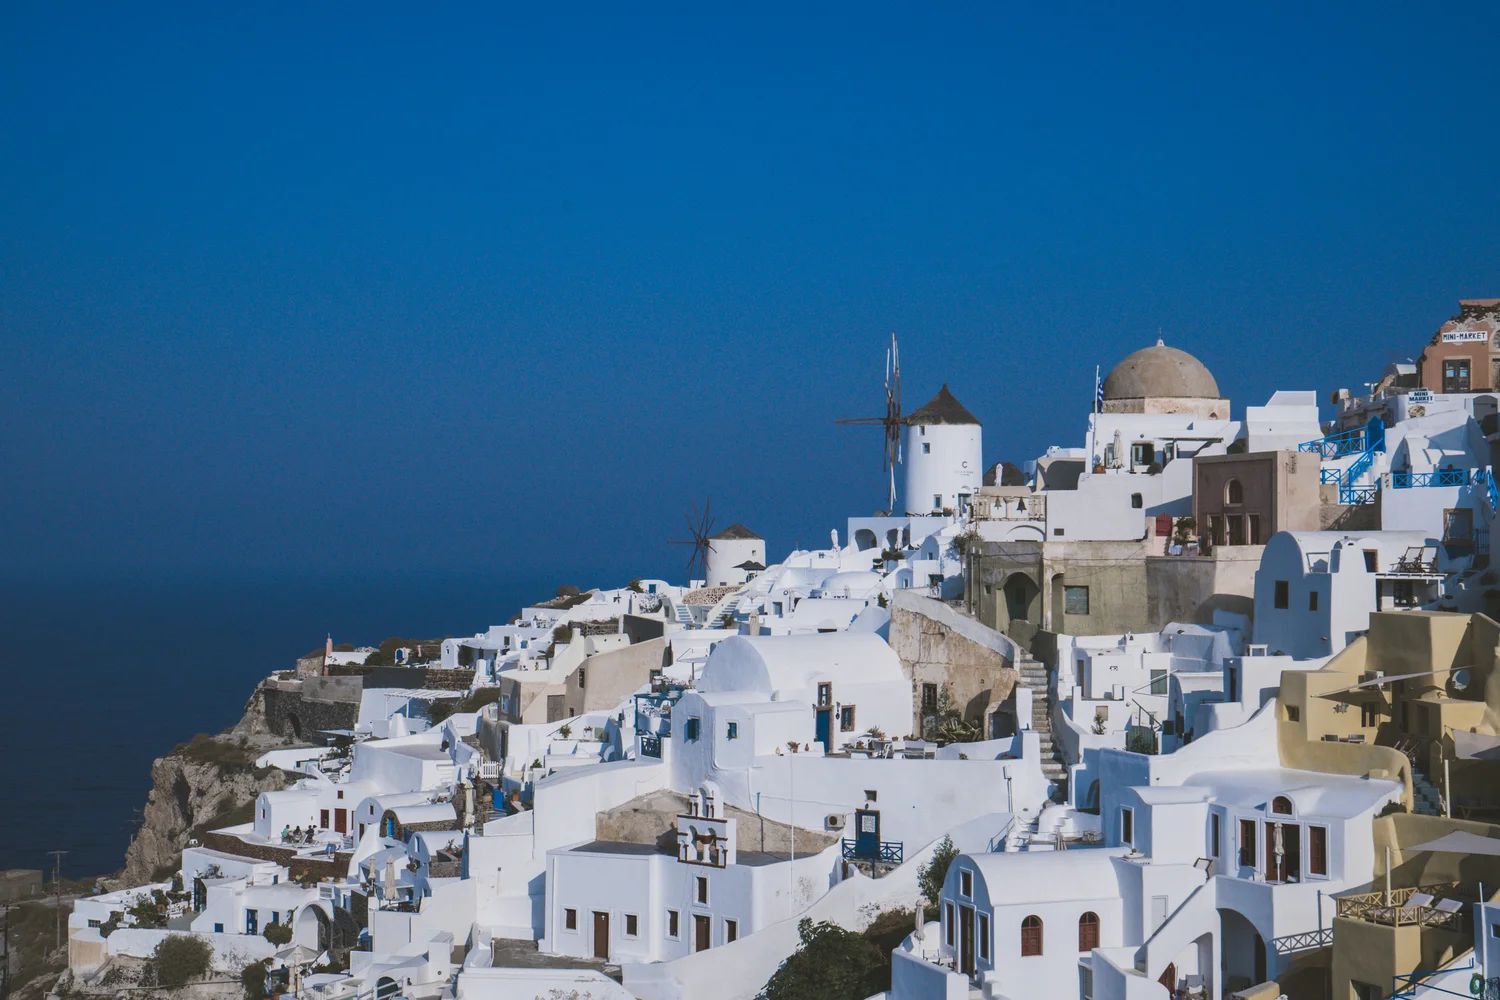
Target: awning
1461 842
1475 746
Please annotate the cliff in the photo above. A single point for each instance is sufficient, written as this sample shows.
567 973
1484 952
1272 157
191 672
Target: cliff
206 783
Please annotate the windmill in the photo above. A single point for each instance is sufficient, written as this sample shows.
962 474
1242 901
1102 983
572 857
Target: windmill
891 422
700 525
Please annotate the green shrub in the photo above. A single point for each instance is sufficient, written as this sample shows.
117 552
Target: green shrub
180 959
831 964
278 934
930 877
253 980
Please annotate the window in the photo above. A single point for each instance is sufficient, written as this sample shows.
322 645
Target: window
1312 600
966 883
1216 529
1076 600
731 930
1247 843
1369 715
1142 453
1370 564
1213 835
1317 850
871 794
984 937
581 677
937 501
825 694
1252 529
632 925
948 924
570 920
674 924
1283 596
1031 936
929 699
1158 682
252 922
1127 825
690 729
1293 713
702 889
1281 804
1234 492
733 731
1458 526
1088 931
1136 502
218 928
926 448
846 718
1456 375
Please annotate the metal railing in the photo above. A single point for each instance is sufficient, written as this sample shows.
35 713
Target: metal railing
1437 477
651 746
1293 943
889 852
1338 445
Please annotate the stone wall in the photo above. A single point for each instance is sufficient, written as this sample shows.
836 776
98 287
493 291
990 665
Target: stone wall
298 715
938 645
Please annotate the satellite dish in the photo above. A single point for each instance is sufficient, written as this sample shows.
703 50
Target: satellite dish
1460 679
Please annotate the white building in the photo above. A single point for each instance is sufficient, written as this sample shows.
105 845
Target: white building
942 452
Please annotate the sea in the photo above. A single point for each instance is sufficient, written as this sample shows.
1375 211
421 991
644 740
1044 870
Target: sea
104 675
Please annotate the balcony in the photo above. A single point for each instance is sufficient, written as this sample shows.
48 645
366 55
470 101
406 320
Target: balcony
1439 905
1437 477
651 746
888 852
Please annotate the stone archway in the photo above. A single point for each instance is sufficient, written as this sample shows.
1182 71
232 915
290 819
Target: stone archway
1022 599
313 929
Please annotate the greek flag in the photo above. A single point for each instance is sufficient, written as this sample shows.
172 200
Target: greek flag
1098 391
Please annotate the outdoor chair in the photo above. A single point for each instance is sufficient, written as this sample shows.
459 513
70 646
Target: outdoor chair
1445 911
1412 910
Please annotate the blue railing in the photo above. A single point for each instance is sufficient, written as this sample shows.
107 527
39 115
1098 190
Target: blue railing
651 746
1486 477
1437 477
1338 445
890 852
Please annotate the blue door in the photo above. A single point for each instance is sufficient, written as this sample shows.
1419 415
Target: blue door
825 728
867 833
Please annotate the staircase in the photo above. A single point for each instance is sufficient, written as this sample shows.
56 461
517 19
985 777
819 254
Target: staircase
683 614
1034 676
1426 798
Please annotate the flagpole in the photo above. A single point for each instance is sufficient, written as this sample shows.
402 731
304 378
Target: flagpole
1093 419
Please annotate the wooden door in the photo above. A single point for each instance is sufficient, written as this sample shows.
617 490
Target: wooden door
601 935
966 940
1169 978
340 820
701 927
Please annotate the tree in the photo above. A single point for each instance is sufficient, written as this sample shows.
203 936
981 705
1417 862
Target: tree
278 933
253 980
181 958
932 875
831 964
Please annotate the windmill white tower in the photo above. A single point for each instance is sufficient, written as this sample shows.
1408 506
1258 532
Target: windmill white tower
943 456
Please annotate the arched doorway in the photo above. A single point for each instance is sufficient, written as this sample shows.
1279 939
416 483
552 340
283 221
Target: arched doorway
312 929
1021 596
1169 978
1242 961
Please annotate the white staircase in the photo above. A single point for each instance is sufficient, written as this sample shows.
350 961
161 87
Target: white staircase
1035 677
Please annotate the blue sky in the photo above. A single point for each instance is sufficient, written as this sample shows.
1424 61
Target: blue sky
508 290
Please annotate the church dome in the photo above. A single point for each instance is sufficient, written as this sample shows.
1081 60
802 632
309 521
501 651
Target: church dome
1160 372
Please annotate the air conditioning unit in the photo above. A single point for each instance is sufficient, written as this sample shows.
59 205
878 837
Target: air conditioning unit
834 821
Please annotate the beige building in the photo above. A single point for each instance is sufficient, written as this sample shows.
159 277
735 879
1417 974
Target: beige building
1245 499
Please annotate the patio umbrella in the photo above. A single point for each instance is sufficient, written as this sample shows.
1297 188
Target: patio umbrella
1462 842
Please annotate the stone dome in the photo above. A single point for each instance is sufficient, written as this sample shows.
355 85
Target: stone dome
1160 372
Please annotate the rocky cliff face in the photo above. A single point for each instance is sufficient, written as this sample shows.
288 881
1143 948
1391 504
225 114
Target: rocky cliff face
207 783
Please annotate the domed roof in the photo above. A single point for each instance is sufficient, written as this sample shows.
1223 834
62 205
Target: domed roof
1160 372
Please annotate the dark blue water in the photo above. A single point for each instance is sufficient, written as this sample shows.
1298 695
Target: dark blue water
102 676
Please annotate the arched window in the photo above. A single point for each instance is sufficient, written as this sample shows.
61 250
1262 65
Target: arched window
1234 492
1031 936
1281 804
1088 931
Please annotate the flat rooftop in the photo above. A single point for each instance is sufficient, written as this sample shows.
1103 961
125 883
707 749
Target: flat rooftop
753 859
